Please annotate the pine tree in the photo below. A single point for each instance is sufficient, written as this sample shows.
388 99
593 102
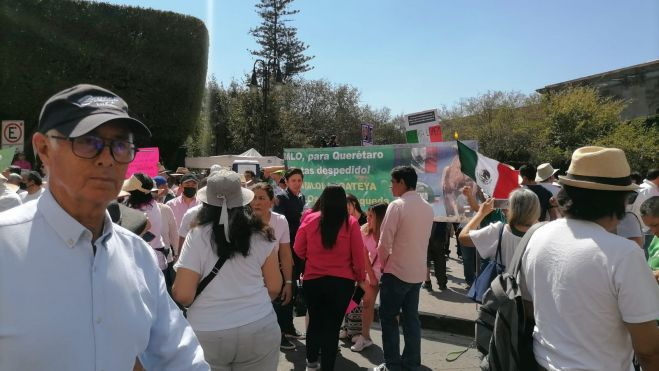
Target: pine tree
278 40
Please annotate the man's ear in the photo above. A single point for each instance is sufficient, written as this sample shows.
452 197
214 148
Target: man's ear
41 146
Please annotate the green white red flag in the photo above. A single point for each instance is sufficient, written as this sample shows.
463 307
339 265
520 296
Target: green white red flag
494 178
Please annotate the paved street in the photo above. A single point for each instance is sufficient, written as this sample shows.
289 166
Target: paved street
435 346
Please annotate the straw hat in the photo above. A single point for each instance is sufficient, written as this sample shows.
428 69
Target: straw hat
544 171
180 171
11 187
599 168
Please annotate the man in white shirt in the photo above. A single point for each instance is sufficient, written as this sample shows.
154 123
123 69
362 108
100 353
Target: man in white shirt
8 196
403 248
647 189
33 187
105 295
594 299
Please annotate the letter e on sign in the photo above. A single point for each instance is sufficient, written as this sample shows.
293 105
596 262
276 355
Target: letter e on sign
12 132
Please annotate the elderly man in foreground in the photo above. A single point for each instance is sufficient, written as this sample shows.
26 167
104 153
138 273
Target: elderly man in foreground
78 292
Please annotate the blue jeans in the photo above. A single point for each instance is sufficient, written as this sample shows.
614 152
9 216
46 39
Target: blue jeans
397 296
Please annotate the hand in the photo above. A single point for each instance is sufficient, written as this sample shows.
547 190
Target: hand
286 294
486 207
656 275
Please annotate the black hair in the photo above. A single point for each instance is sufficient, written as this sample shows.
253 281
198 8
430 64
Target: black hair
15 169
333 213
650 207
242 225
636 177
35 177
591 204
652 174
137 199
355 202
407 174
292 171
528 171
250 172
267 188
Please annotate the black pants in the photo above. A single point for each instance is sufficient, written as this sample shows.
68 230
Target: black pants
437 250
327 300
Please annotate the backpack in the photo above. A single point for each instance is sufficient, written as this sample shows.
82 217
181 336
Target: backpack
503 333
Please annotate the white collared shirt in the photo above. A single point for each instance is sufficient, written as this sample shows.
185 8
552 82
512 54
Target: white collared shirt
62 307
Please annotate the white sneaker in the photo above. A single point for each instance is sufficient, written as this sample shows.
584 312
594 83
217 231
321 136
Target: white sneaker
382 367
315 366
360 344
355 338
343 334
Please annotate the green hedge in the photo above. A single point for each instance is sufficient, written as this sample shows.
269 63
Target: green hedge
155 60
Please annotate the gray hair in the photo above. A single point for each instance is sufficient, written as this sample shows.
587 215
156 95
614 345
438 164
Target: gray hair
650 207
524 208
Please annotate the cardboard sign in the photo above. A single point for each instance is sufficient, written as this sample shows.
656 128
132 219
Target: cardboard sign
6 156
146 161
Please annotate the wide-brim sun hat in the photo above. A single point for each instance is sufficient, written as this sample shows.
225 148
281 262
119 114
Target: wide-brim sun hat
544 171
599 168
224 186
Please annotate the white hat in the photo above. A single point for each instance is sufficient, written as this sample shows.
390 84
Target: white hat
544 171
599 168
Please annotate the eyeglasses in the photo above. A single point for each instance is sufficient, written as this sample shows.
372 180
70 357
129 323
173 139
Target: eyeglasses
89 146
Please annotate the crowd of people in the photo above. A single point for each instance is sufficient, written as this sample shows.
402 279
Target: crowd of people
184 271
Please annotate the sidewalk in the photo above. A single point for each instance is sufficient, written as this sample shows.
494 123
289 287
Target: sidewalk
451 310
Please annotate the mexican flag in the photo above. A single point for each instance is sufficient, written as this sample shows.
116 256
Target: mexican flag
495 179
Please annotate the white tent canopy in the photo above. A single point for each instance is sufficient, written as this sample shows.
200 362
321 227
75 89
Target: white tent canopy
228 160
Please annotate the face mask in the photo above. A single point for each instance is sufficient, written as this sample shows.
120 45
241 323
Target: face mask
189 192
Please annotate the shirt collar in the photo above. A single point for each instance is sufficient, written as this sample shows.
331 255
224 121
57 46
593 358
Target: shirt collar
408 194
66 227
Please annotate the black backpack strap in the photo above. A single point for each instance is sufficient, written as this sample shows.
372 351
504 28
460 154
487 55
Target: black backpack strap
516 264
202 285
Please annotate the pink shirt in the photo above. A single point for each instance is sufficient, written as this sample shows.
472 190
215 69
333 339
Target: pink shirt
374 260
179 207
345 259
404 237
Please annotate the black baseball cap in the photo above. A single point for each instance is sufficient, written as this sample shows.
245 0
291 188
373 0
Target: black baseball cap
78 110
189 176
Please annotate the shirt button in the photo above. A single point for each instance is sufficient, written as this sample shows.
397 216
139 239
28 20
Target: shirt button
70 242
99 320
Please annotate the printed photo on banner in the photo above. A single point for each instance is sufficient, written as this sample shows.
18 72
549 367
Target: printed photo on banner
146 161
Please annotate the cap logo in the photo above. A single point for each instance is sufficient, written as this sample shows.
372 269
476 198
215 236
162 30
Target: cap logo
89 100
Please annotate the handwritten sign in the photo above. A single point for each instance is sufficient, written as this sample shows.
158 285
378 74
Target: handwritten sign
146 161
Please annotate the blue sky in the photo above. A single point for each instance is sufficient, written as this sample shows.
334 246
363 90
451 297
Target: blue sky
412 55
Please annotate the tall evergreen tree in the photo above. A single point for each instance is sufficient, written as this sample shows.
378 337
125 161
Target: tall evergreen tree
278 40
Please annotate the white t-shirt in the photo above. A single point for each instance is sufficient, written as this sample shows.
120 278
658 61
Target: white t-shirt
486 240
26 197
585 284
629 226
187 219
280 225
237 295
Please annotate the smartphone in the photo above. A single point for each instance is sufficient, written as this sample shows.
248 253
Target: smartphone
500 203
148 236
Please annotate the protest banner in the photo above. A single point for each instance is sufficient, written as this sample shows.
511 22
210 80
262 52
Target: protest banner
367 134
6 156
418 125
146 161
365 172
